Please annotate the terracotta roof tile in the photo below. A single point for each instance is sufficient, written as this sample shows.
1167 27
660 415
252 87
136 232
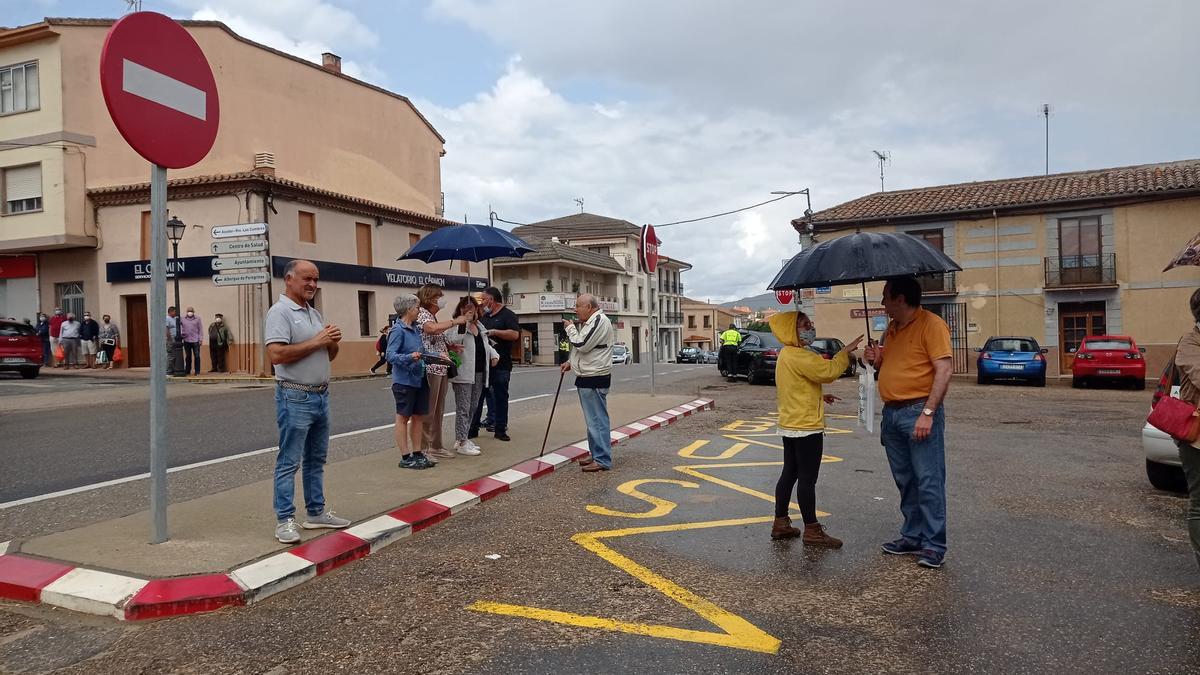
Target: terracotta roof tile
1151 180
579 225
548 250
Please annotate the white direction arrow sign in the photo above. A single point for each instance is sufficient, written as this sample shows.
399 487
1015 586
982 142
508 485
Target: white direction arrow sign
242 230
240 278
238 263
241 246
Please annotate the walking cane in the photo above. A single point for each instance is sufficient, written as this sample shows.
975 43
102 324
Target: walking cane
561 375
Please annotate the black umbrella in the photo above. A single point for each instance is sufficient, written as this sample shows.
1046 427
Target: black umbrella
862 257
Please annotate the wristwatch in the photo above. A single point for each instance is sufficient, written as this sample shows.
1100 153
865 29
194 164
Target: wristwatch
928 412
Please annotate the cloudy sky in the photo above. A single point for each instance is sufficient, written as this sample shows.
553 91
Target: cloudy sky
661 110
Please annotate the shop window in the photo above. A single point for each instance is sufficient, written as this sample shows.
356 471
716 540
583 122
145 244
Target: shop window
19 88
308 227
22 188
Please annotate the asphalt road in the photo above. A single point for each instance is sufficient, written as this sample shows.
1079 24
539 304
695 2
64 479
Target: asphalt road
100 438
1062 559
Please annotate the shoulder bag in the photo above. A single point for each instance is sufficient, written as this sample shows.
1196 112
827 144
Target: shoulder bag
1173 416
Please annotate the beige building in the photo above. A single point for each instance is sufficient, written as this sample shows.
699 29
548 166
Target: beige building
341 171
670 310
704 323
1055 257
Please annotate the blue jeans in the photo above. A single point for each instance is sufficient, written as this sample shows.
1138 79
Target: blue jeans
496 397
191 352
919 469
599 434
303 419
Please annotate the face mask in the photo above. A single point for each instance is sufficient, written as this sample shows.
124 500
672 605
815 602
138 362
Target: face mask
87 317
809 335
487 310
219 320
191 314
441 303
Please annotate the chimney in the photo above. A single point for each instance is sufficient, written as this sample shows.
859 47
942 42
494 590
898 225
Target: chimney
331 62
264 163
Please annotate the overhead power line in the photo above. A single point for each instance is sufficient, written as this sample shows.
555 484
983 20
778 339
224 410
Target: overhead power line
677 222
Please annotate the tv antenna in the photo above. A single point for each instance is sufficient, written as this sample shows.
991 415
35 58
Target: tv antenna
884 157
134 5
579 201
1046 114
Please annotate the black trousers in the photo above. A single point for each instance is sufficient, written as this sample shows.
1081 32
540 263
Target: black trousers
727 358
801 464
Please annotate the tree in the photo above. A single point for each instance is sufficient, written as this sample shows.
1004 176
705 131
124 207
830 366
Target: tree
759 327
549 285
574 286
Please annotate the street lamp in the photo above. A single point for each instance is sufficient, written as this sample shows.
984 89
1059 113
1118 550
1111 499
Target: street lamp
175 231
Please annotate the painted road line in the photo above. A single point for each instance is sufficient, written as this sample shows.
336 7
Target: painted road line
186 595
269 576
381 531
512 478
197 465
164 90
554 459
456 500
92 592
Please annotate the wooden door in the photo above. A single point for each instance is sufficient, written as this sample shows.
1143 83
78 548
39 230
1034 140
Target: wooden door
137 332
362 238
1075 322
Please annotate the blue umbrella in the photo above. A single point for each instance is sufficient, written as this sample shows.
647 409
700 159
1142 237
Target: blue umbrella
474 243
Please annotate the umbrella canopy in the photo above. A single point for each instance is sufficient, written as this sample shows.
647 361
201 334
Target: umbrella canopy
1190 255
474 243
862 257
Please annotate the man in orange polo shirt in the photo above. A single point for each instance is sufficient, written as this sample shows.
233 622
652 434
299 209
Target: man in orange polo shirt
915 366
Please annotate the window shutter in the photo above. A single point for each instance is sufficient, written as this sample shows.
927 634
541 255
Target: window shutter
24 182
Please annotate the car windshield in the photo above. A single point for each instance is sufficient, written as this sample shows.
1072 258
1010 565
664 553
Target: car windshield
1011 345
826 345
16 329
1107 344
618 349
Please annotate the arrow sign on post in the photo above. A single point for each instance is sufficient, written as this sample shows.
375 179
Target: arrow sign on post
241 278
242 230
239 263
244 246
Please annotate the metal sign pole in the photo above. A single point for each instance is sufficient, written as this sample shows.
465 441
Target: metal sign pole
653 351
158 354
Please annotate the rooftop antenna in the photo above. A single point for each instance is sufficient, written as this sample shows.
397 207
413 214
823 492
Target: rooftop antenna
1046 114
579 201
884 157
134 5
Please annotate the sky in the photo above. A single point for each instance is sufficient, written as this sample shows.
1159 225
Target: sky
661 110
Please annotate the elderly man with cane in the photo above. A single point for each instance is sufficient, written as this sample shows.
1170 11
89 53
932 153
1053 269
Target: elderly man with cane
591 359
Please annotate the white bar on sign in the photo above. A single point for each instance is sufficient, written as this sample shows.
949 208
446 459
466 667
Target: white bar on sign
241 230
243 246
166 91
239 278
239 263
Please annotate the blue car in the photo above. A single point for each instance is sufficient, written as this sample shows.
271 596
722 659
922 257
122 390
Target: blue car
1012 358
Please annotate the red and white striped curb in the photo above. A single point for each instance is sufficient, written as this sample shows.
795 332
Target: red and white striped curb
37 580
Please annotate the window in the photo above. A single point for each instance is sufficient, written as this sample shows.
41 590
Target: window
1079 240
362 241
69 296
707 323
602 250
692 321
625 296
22 188
19 90
562 285
413 238
308 227
366 300
641 303
465 267
146 251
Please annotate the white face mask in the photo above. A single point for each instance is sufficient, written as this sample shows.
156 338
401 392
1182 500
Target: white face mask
191 314
441 303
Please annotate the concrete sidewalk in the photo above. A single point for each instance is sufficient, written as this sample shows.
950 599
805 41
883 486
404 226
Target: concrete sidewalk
223 530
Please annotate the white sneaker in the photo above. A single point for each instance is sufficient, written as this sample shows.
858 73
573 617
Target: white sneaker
471 444
465 449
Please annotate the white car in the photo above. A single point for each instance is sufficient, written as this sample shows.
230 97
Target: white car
1162 458
620 354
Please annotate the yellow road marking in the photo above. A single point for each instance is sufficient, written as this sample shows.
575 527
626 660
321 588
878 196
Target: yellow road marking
693 470
748 425
689 452
661 506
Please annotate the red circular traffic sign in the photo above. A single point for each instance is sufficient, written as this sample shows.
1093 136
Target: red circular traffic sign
784 296
648 247
159 89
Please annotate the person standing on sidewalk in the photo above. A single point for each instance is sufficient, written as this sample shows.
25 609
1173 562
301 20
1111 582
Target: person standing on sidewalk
504 328
799 374
68 339
89 336
591 359
56 323
219 339
477 359
1187 363
410 388
432 332
43 333
301 346
193 337
915 365
110 339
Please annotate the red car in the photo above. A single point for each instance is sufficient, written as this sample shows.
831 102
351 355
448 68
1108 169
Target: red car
1109 357
20 349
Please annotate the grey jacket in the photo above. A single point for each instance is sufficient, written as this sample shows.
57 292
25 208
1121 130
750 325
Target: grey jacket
466 372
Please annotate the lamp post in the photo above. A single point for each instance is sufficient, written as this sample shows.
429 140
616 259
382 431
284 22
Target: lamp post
175 231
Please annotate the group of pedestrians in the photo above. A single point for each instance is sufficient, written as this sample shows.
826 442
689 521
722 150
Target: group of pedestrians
190 331
419 345
914 363
68 343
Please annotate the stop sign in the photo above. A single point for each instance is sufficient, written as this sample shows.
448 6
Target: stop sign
649 249
784 296
159 89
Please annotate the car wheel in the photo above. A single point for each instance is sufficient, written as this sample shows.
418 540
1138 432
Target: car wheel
29 373
1139 385
752 376
1166 477
1076 382
980 379
1040 382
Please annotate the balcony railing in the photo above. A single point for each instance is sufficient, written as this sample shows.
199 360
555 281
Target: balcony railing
1081 270
672 319
938 284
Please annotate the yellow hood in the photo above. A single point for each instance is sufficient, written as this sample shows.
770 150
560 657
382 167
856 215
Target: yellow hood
783 327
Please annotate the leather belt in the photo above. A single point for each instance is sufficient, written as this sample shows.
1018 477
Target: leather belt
310 388
905 403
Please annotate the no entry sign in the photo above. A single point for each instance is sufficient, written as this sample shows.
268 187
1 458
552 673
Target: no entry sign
159 89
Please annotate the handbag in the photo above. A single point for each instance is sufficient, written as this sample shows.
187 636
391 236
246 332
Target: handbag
1173 416
118 355
59 353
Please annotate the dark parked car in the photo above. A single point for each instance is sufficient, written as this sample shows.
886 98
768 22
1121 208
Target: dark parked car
688 355
708 357
829 347
20 349
1019 358
756 357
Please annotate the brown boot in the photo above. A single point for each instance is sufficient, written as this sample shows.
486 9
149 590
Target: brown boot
814 535
782 529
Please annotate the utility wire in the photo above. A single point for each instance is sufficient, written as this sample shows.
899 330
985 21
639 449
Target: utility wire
677 222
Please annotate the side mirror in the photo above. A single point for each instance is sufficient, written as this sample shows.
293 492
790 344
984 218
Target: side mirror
978 350
1045 351
1142 350
1072 350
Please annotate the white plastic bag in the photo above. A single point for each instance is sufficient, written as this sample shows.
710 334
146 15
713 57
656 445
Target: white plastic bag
866 398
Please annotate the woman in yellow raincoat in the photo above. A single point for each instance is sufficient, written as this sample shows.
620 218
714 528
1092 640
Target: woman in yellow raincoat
799 373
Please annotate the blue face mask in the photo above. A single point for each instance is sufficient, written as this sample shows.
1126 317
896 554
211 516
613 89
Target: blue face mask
808 336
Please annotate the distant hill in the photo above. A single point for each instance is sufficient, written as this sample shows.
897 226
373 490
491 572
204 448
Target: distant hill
763 301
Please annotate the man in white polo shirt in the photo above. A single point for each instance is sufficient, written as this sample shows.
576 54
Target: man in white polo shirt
301 345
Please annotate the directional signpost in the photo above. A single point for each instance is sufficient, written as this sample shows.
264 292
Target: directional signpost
240 263
162 97
238 270
241 230
240 278
240 246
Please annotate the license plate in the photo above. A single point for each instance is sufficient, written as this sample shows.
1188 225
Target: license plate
1017 367
1109 371
15 360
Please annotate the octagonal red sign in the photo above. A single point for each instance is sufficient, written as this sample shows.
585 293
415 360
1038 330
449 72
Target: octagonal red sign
784 296
159 89
649 249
